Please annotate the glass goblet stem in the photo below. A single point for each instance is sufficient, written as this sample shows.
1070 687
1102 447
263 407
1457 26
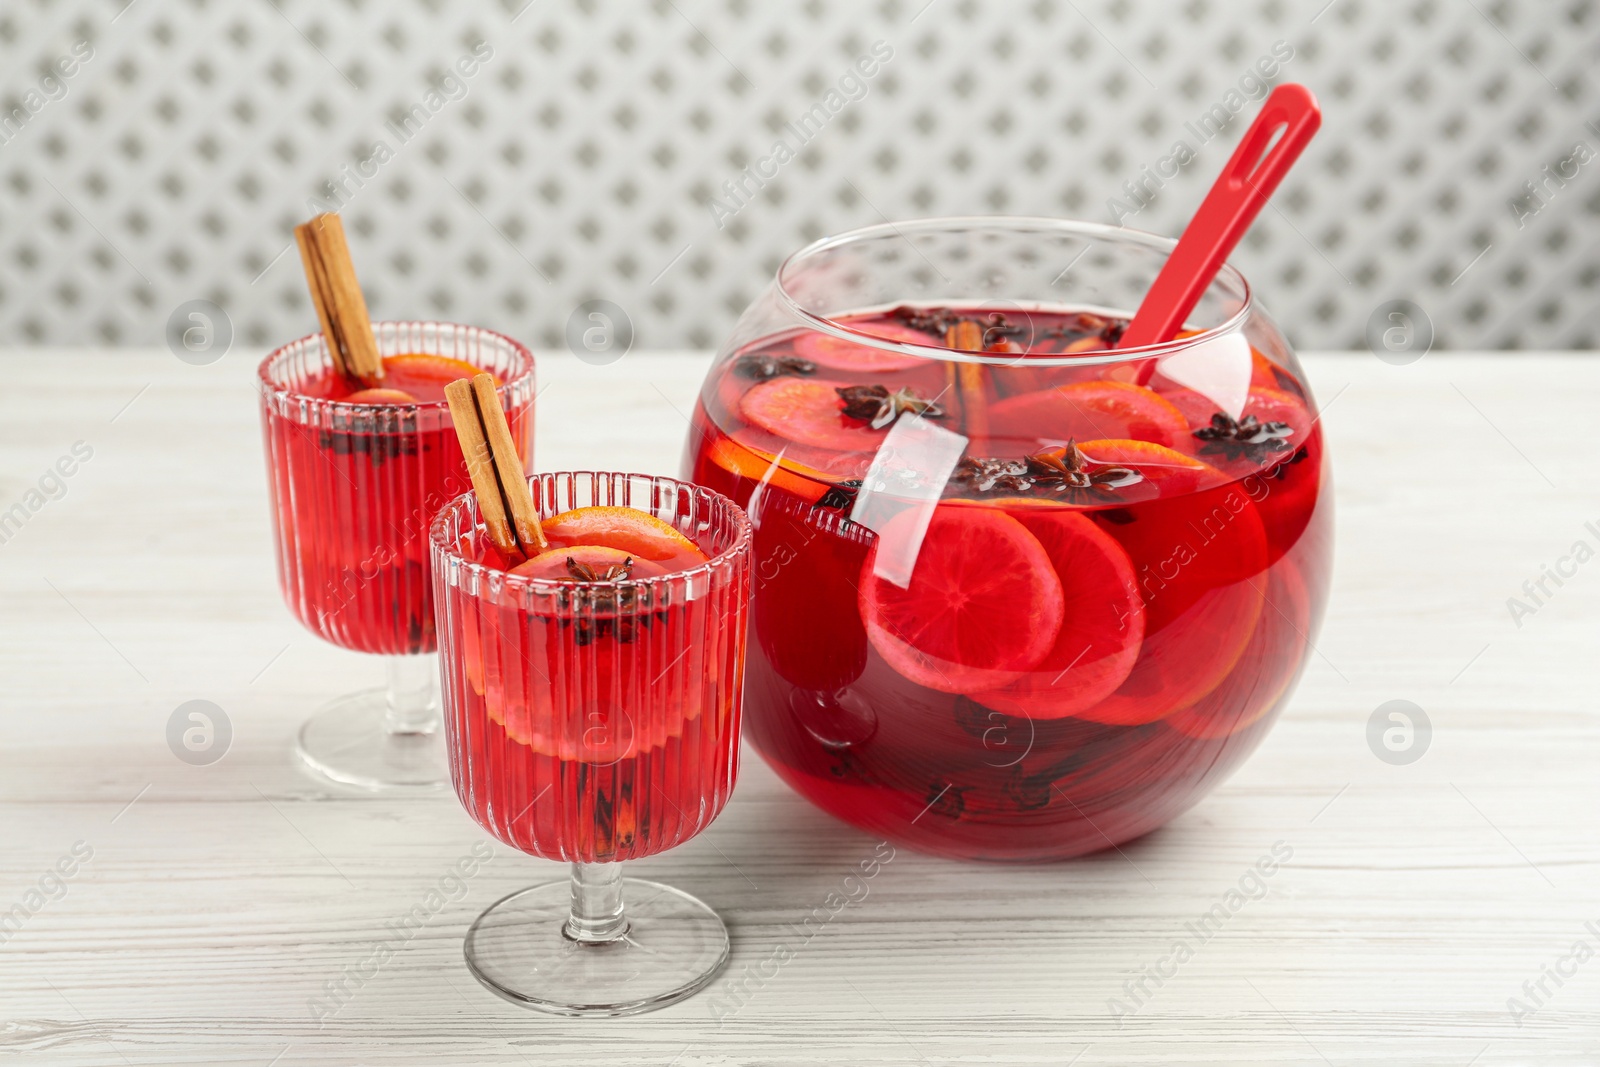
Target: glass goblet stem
597 914
412 697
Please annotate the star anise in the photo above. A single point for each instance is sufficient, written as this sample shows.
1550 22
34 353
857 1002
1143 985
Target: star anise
763 367
1246 438
938 321
602 601
1055 471
875 405
583 572
1068 470
929 320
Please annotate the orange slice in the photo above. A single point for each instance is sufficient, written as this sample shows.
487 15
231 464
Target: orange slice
1170 472
1289 481
628 530
1084 410
808 411
1102 628
1267 668
757 465
380 396
839 354
983 607
425 376
1199 550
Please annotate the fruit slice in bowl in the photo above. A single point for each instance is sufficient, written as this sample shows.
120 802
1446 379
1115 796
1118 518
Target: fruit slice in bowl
1102 625
1266 374
1199 551
1267 667
808 412
984 604
1084 411
830 426
837 353
1263 371
1167 472
772 472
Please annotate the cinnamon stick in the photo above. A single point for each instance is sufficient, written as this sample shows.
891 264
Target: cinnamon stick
321 296
513 480
967 378
341 308
498 479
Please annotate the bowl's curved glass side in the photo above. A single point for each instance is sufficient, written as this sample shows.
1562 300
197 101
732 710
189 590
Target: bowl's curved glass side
1219 556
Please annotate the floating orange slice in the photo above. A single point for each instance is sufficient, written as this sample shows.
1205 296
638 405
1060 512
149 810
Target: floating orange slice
424 376
380 396
808 411
984 604
1170 472
837 353
1265 670
1083 410
781 472
1198 551
1102 628
629 530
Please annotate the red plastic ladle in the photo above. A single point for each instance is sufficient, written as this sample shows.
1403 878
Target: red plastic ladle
1241 191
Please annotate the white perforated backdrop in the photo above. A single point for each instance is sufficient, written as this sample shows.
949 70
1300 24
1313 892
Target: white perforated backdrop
579 158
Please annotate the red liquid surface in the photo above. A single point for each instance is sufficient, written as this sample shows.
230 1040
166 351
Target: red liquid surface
946 716
353 502
598 726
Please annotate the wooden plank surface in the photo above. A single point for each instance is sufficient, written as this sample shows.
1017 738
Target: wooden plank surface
220 900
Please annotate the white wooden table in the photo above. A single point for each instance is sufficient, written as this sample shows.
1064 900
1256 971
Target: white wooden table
220 900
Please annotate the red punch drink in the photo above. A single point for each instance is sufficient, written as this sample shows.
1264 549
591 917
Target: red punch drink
1062 636
594 710
358 474
592 698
